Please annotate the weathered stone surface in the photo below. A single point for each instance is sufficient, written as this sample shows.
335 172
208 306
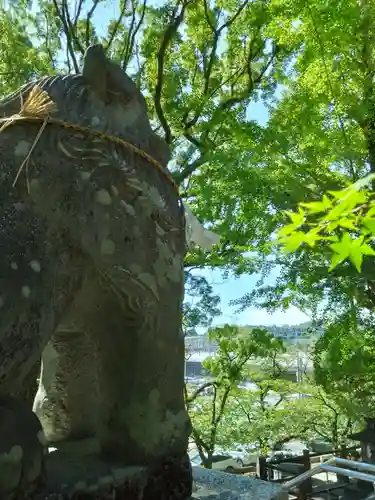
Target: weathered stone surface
75 473
22 448
214 485
83 285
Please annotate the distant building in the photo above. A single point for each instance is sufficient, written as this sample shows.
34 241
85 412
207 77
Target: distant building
199 343
197 349
194 365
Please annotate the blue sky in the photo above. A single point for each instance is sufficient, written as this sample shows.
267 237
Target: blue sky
231 288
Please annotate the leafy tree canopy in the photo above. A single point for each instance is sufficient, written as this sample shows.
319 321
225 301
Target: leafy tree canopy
340 228
226 415
319 139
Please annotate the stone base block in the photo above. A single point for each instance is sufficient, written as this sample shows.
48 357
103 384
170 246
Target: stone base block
86 476
213 485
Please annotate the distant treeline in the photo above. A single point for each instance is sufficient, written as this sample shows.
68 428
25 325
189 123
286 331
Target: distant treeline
285 331
302 330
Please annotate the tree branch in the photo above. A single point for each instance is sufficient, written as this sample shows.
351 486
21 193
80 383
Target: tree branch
247 414
190 399
280 400
48 48
168 35
208 69
201 445
116 26
88 21
69 46
134 32
215 421
226 104
232 101
78 10
72 28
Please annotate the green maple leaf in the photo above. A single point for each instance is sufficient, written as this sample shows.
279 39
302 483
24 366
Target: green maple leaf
312 237
356 257
347 223
367 250
294 241
342 251
369 223
297 218
352 249
371 212
318 206
286 230
332 226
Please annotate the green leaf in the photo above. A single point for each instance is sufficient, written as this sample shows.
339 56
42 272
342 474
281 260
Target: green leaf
367 250
312 237
336 260
346 204
297 218
350 248
294 241
317 206
356 256
347 223
332 226
369 223
371 211
343 246
285 230
362 182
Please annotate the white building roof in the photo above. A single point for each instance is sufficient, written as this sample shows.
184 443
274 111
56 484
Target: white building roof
199 357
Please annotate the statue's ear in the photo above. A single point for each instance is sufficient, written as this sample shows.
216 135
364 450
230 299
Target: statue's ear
95 69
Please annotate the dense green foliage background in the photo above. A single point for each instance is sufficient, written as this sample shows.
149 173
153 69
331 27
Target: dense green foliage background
202 66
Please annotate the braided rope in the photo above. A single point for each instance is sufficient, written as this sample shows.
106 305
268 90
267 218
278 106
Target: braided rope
38 107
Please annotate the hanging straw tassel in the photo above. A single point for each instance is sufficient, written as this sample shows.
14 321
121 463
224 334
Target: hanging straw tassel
37 105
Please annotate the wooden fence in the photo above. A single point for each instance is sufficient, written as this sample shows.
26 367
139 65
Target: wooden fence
279 471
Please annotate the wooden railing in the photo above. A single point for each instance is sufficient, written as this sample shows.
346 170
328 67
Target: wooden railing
280 472
344 468
275 471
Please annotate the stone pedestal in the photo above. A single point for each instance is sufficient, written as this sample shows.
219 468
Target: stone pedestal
77 471
213 485
87 476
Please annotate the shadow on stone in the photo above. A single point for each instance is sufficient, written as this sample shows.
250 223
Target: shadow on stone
87 476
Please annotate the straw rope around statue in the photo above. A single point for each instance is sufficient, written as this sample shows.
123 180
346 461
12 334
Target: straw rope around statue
39 106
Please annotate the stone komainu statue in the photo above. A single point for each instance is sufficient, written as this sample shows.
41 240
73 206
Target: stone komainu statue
92 240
